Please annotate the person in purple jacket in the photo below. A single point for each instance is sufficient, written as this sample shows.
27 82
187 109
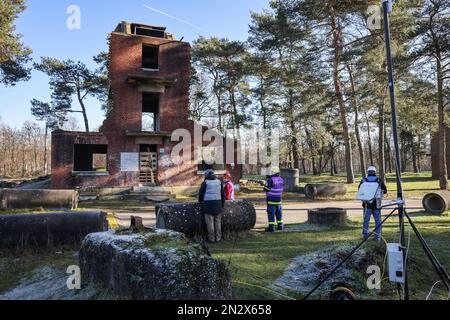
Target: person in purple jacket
274 189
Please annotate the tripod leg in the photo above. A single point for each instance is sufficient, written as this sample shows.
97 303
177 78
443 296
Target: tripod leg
434 261
348 257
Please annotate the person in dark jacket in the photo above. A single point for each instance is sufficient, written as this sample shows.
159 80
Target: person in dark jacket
274 189
371 209
212 197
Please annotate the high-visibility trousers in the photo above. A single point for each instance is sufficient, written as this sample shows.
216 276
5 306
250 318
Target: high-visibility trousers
275 215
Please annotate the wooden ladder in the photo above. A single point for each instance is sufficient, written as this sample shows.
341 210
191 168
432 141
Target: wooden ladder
148 168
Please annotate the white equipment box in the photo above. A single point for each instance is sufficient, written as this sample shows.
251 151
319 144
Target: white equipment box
395 263
368 191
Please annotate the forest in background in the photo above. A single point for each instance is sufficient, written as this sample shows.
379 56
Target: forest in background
314 71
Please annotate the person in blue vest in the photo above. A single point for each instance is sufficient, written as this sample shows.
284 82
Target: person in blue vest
212 198
274 189
371 208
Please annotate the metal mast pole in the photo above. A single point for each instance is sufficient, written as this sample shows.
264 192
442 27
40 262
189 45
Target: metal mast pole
387 8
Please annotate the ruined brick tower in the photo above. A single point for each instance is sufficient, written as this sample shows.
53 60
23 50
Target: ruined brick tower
149 73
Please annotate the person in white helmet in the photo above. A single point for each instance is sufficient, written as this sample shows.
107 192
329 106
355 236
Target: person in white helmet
370 208
274 190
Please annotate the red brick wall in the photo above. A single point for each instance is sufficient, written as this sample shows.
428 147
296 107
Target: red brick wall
126 114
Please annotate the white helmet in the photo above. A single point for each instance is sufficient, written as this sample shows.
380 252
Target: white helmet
372 169
275 170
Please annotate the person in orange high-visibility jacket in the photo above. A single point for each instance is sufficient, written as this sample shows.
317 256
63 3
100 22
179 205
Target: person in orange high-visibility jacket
274 190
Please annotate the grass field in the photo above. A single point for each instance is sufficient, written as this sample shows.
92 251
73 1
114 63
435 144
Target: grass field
258 259
414 185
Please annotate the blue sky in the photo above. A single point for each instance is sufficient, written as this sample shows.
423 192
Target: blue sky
43 26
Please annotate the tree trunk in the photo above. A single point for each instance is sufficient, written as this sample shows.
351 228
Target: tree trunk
320 166
381 124
83 111
388 153
294 139
413 153
333 160
443 175
311 148
303 166
218 98
337 38
35 164
419 155
369 140
237 125
45 150
219 111
362 161
23 162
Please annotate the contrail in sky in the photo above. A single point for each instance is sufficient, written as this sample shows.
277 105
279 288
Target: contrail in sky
174 18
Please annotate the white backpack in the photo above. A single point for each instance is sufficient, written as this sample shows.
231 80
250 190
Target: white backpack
369 192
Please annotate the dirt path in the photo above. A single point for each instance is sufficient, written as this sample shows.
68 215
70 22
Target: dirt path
293 213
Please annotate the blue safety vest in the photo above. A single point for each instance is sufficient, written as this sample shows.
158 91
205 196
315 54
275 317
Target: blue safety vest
275 194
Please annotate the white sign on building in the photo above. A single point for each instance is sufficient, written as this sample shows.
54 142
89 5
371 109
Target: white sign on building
129 162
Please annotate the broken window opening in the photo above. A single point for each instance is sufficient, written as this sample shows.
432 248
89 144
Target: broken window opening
90 158
150 57
148 148
100 162
149 32
150 112
216 167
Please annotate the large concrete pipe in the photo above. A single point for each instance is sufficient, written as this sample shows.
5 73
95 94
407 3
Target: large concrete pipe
32 199
24 231
188 218
325 190
437 202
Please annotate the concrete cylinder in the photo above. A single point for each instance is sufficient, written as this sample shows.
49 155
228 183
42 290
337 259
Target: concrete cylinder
25 231
188 218
437 202
32 199
327 216
291 179
325 190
